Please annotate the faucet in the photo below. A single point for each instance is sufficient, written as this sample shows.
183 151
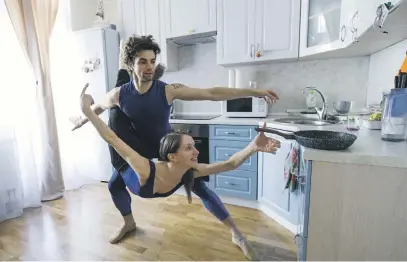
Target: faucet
320 112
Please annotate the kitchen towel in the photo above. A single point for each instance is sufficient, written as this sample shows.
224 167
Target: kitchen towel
294 164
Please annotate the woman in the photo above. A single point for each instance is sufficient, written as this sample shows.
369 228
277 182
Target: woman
147 179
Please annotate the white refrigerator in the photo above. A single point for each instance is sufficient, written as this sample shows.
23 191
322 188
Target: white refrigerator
99 50
91 56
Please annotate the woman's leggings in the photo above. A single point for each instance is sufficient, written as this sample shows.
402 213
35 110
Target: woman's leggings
122 199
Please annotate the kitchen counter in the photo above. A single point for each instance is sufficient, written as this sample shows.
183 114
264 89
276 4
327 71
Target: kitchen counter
221 120
368 149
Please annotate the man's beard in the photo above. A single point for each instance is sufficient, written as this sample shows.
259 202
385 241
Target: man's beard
147 79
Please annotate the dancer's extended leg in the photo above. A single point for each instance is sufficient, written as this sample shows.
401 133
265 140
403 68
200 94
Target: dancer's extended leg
213 203
122 201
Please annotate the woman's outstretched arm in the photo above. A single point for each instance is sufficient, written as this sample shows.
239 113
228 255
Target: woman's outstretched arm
139 164
259 143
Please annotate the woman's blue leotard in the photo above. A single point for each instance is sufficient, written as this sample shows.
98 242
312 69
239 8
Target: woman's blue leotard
147 190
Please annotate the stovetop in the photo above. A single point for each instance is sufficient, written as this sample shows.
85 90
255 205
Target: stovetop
194 117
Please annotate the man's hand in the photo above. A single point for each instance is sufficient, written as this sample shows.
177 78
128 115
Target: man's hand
77 121
111 100
269 95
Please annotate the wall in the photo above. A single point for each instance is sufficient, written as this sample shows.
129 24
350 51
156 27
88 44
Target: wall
384 65
336 78
84 13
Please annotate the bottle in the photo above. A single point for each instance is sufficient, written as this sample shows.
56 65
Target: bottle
311 100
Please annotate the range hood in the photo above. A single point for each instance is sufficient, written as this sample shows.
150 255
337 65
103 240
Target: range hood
193 39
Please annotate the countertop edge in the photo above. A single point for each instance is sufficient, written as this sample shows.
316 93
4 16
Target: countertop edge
355 159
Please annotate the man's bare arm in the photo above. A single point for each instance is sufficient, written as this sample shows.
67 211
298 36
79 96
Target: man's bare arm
183 92
111 100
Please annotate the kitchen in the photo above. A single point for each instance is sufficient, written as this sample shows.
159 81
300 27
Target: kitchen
338 47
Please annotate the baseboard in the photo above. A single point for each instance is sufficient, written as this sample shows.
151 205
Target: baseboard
280 220
227 200
251 204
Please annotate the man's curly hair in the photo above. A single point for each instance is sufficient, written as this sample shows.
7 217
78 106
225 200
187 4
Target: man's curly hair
137 44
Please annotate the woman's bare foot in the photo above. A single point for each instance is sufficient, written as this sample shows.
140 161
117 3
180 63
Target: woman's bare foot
240 241
122 232
129 225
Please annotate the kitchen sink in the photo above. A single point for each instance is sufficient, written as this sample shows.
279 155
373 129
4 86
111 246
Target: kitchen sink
306 121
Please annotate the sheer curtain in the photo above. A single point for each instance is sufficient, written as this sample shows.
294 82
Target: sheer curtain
19 129
67 81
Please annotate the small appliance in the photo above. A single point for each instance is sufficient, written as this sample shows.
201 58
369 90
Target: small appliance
247 106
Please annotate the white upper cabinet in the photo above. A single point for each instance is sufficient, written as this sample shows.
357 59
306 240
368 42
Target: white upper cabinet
322 26
336 28
359 16
256 31
148 22
235 31
146 17
127 26
276 29
184 17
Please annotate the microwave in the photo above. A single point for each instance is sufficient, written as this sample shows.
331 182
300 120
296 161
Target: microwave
245 107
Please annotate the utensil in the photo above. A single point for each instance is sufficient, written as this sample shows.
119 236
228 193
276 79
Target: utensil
353 122
402 80
342 107
317 139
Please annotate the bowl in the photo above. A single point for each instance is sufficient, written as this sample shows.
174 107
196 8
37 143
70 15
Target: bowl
342 106
373 125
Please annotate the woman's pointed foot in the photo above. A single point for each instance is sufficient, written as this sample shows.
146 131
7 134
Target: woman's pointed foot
244 245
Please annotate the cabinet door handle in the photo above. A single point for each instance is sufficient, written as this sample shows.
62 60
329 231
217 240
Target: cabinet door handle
353 29
229 183
258 52
227 154
230 133
343 33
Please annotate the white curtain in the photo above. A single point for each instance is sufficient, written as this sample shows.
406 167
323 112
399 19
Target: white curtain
78 158
33 21
19 129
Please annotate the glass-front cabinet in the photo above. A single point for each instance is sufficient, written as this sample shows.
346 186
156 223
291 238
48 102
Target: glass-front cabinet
322 26
328 25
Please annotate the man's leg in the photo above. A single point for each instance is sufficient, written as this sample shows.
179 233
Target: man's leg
122 201
214 205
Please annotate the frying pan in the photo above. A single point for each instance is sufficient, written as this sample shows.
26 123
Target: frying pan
317 139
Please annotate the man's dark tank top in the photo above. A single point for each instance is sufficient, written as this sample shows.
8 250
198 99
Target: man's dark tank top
141 121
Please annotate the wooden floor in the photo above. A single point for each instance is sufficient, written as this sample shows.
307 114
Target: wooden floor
78 227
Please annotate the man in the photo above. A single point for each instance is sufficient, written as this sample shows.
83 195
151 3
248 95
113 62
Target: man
144 117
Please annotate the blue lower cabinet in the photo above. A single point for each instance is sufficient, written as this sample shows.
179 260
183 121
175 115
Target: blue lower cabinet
233 133
224 141
235 183
221 150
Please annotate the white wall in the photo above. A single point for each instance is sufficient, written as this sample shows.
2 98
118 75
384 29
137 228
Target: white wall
336 78
83 13
384 65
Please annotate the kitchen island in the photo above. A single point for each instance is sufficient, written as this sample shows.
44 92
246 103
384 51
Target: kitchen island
354 208
350 205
